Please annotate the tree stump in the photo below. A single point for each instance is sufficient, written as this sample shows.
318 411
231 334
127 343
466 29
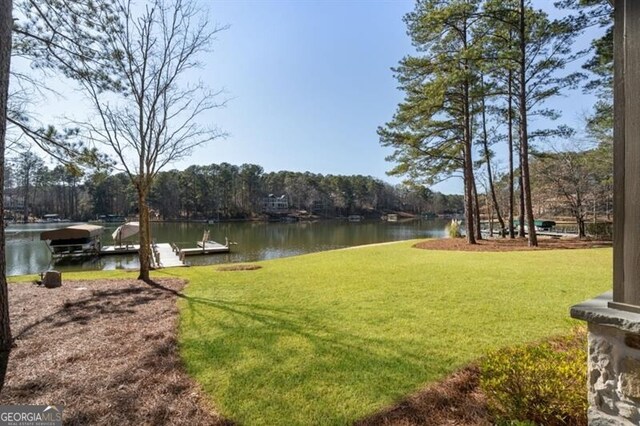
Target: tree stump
52 279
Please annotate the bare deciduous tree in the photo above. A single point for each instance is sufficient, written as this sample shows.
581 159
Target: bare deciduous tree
574 179
153 117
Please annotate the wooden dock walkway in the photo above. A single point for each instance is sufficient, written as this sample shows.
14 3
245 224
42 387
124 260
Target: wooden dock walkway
552 234
167 256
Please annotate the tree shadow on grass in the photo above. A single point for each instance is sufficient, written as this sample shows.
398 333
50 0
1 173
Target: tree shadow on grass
265 354
346 363
334 367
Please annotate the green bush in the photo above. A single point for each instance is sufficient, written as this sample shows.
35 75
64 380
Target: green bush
600 230
544 383
454 229
514 423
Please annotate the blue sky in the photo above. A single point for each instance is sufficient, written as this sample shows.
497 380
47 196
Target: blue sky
308 83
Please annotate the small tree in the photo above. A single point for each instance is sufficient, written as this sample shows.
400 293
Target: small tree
570 177
147 113
27 164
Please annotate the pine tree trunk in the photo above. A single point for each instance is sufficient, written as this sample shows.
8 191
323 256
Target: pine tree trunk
490 214
526 184
6 24
521 232
468 204
468 152
468 188
524 133
510 138
25 213
476 210
487 157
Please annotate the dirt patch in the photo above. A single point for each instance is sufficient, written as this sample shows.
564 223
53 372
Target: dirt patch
238 268
506 244
457 400
105 350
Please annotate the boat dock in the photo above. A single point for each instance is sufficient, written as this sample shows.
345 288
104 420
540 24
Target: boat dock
550 234
164 254
112 250
555 235
170 254
84 241
209 247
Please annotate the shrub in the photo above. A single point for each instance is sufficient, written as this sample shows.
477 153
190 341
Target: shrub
543 383
454 229
600 230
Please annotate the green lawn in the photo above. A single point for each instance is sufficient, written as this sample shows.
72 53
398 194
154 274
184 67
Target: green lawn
328 338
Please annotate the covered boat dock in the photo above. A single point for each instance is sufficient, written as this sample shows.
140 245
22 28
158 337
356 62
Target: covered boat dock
74 241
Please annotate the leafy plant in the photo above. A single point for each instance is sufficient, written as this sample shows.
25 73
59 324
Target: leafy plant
454 229
543 383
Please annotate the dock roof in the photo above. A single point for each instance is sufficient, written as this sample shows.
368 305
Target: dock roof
72 232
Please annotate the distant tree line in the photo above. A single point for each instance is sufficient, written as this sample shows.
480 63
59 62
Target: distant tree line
571 182
223 191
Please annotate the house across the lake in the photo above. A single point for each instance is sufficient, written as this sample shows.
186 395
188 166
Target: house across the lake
51 217
273 204
111 218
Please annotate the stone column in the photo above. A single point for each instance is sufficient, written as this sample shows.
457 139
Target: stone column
613 362
614 317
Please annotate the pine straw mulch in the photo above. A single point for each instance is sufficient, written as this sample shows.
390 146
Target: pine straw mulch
507 244
106 350
456 400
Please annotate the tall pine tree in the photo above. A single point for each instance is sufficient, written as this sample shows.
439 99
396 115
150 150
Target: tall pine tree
531 51
431 131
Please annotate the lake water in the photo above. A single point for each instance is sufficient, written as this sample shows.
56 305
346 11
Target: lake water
26 254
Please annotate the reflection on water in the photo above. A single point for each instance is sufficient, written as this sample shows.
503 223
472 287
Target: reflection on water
26 254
